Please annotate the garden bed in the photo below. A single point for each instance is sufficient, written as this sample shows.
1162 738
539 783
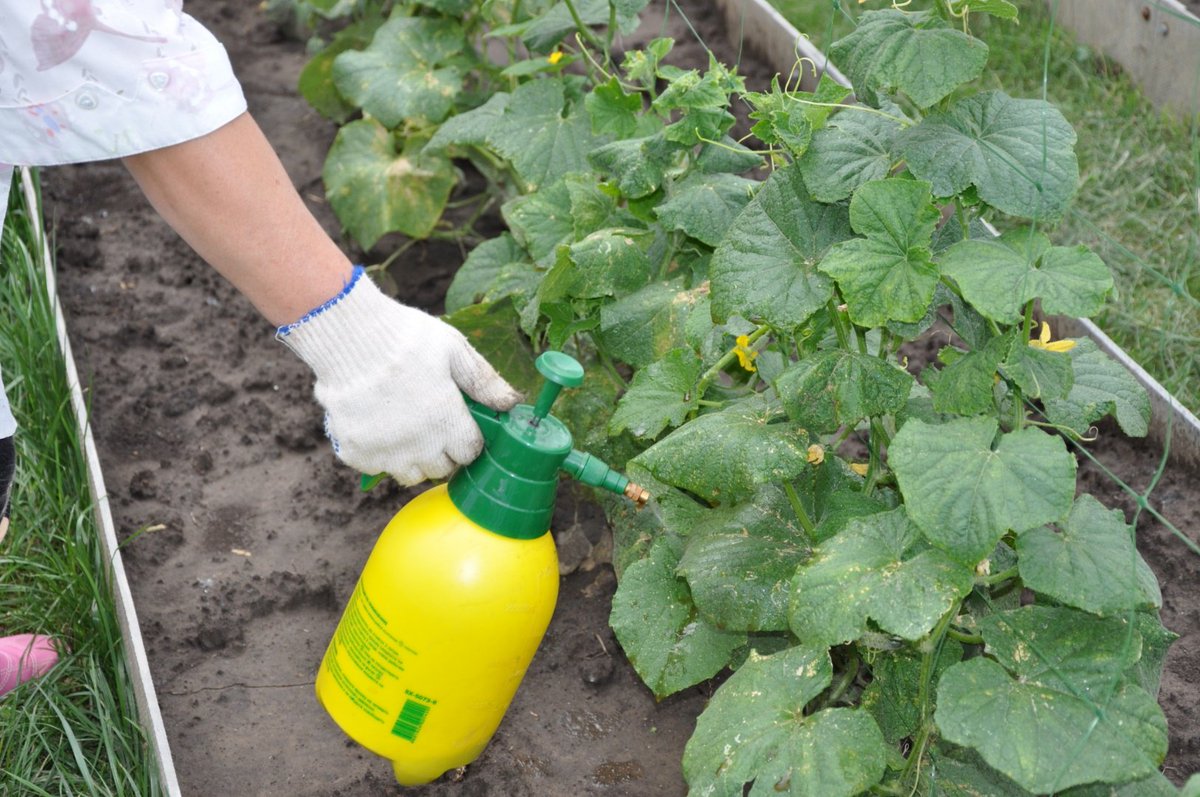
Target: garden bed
254 534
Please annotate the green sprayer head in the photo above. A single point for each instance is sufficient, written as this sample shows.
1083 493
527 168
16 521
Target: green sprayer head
510 488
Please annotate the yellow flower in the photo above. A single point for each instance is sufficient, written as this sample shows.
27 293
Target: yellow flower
555 57
1043 341
860 468
744 353
816 454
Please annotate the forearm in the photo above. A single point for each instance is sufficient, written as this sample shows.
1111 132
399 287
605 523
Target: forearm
230 198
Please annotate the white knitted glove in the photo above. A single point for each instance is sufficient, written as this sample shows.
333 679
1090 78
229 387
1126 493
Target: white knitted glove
389 378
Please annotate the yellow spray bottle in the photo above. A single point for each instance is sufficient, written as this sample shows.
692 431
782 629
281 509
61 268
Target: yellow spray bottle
457 594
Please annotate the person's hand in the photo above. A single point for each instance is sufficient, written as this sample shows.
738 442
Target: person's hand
389 378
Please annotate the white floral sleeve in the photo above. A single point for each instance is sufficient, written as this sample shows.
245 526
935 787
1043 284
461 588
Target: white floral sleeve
84 80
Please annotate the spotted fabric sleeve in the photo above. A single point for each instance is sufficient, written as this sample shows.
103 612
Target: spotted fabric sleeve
84 80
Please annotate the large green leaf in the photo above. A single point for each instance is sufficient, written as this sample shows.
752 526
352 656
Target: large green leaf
640 328
1101 386
376 190
1090 562
965 385
667 642
541 136
638 164
691 90
562 213
965 490
412 69
1052 710
494 332
1156 641
549 27
592 207
1157 785
755 729
704 205
635 529
723 456
605 263
889 274
960 772
727 155
878 568
1019 154
316 79
839 500
613 112
451 7
494 269
471 128
894 695
765 268
856 146
540 222
660 395
788 118
999 276
916 53
837 387
739 562
1040 373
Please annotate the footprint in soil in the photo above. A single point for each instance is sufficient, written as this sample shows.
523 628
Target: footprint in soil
225 610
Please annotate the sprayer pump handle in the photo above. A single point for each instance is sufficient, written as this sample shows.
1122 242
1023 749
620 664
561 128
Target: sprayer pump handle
561 370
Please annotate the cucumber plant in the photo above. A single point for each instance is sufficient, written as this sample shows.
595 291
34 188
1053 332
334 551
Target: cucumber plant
838 384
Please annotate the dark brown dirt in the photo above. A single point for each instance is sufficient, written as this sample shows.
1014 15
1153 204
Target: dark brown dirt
209 439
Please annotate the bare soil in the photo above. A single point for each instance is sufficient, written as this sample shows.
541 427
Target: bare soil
254 534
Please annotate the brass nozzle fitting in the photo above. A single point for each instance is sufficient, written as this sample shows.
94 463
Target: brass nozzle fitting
638 494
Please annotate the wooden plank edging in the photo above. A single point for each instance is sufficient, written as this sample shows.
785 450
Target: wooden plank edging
781 44
131 632
1156 42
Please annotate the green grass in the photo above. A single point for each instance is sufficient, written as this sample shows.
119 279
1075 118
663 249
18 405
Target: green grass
75 731
1138 204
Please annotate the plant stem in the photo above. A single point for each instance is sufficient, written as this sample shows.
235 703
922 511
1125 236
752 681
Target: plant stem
584 30
839 324
965 638
708 376
511 41
612 31
1018 408
843 682
885 344
997 578
664 267
611 367
876 441
801 514
932 648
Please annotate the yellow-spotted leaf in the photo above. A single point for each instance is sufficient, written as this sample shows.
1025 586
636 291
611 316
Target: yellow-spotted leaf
755 730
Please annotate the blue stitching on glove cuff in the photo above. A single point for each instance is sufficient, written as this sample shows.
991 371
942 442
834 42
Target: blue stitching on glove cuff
346 288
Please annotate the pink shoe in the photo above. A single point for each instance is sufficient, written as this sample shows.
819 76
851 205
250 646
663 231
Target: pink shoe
22 657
